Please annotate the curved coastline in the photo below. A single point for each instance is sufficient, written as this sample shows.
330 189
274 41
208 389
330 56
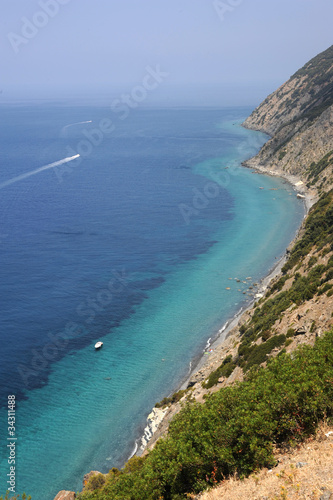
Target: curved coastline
202 365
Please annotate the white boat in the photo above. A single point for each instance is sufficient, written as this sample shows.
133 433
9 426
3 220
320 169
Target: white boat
98 345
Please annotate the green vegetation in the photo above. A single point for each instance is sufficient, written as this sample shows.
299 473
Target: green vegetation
316 169
316 70
278 285
282 154
95 482
312 261
320 63
177 396
290 333
233 431
312 95
254 355
16 497
303 288
224 370
318 231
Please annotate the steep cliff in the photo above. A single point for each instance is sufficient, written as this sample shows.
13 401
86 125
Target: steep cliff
299 117
296 308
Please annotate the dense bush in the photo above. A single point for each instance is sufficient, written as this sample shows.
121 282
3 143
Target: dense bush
318 229
95 482
233 431
290 333
315 169
258 353
276 287
177 396
224 370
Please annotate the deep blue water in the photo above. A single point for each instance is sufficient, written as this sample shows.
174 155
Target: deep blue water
132 244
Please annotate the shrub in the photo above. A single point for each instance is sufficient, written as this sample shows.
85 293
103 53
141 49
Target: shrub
259 353
318 229
95 482
313 327
266 335
234 430
312 261
224 370
177 396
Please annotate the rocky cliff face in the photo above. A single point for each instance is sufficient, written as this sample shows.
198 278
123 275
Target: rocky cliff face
297 306
299 117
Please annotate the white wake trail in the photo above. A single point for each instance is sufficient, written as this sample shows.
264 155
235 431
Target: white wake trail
64 130
77 123
34 172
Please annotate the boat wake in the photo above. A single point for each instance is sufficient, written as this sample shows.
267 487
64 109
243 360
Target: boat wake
63 132
37 171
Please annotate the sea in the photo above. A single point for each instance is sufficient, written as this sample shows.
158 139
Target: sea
138 243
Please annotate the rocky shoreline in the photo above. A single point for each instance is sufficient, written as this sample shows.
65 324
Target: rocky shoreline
223 343
299 118
227 335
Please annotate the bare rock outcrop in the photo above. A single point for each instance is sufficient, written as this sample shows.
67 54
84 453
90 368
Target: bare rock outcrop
299 117
89 475
65 495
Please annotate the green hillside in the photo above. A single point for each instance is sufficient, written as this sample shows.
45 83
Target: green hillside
232 432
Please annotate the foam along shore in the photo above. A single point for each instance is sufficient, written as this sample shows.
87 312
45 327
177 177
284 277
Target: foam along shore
154 419
300 188
223 341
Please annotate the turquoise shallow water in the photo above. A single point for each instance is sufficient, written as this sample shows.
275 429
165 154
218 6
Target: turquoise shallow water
93 406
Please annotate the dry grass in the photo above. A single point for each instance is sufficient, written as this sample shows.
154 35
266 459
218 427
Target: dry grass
286 481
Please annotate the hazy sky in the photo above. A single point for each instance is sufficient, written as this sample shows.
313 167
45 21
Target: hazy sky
214 51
